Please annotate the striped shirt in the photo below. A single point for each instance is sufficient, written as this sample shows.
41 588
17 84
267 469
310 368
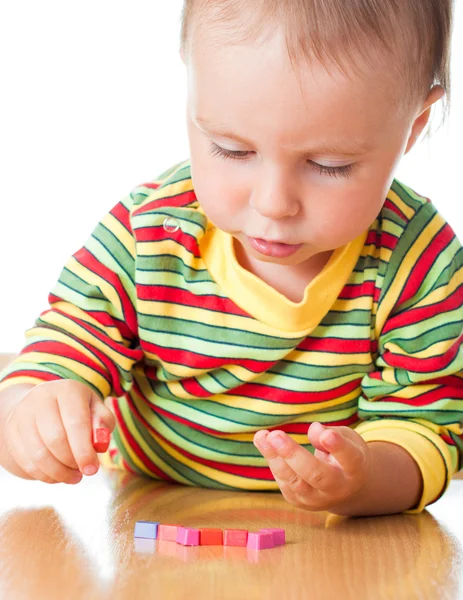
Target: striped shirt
198 353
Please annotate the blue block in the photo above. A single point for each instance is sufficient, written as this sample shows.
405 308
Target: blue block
146 529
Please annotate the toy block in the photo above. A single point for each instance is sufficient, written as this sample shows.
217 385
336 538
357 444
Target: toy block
186 536
260 541
146 529
100 439
210 537
168 533
235 537
279 537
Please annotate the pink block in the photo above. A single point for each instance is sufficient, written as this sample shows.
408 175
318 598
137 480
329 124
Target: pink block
188 536
168 533
260 541
279 537
235 537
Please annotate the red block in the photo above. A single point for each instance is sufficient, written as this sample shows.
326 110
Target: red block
235 537
101 439
168 533
210 537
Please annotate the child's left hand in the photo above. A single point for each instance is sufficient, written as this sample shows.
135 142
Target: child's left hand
334 474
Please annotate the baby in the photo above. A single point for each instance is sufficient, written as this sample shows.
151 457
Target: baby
276 312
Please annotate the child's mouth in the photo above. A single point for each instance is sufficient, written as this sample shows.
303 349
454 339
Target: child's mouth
275 249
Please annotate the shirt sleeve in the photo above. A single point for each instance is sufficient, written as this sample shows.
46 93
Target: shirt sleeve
89 332
414 397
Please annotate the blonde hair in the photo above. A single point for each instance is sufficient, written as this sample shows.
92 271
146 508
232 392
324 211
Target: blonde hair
414 35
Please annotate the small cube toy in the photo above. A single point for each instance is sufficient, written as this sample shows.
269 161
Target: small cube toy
235 537
279 537
187 536
260 541
101 439
168 533
146 529
210 537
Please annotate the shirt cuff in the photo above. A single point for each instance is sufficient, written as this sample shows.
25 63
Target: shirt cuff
426 447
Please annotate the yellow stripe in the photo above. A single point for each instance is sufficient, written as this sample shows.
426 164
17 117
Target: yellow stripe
121 233
401 205
206 316
16 380
442 293
436 349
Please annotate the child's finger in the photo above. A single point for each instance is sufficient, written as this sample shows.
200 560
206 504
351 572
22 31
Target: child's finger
318 474
77 421
40 455
288 481
348 453
52 432
25 463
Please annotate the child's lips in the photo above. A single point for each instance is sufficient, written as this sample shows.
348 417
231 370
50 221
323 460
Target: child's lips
275 249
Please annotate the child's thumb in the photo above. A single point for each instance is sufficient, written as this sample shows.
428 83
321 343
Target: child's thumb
102 417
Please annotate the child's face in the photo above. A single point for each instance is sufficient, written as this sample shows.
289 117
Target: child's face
315 158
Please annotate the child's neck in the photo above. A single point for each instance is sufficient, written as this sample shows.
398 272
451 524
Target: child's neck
290 281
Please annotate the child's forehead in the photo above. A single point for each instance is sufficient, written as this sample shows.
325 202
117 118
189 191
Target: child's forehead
262 72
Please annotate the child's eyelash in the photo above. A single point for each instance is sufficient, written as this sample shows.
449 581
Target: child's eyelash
343 171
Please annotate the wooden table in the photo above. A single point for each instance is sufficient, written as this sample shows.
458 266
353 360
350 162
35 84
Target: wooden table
76 542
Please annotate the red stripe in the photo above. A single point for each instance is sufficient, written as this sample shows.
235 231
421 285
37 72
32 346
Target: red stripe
122 214
351 291
335 345
193 387
135 447
420 314
200 361
392 207
61 349
301 428
36 374
423 365
440 393
422 267
271 394
159 234
150 186
94 265
388 240
167 294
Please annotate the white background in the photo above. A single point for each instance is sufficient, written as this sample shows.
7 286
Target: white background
92 103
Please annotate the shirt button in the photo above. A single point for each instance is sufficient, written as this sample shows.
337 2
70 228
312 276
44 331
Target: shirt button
171 224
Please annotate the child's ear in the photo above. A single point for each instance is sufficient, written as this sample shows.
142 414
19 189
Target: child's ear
435 94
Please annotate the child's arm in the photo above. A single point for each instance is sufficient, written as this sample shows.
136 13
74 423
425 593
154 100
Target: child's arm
402 457
89 335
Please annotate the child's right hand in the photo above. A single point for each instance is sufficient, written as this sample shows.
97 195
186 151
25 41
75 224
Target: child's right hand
49 432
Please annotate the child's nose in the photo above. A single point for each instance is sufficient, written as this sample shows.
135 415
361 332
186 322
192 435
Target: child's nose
275 199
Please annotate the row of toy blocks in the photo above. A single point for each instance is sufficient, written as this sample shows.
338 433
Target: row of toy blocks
188 536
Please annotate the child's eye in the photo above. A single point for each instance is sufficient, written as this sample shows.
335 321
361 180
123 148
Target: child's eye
343 171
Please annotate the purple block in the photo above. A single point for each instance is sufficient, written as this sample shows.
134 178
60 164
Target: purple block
260 541
279 537
146 529
188 536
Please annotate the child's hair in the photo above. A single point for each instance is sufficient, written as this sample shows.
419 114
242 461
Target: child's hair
413 35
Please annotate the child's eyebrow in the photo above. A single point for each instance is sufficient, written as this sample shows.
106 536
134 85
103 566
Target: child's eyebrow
349 147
